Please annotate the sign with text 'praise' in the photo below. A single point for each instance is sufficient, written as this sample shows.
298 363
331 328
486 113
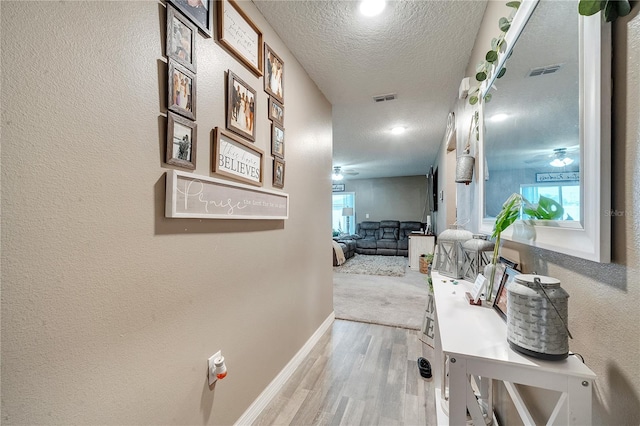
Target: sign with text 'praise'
193 196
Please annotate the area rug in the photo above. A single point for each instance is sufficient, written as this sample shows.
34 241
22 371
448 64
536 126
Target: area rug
393 301
390 266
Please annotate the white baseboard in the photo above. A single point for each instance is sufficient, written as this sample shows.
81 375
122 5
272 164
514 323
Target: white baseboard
278 382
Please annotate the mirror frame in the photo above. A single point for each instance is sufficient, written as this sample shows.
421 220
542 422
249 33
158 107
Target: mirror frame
591 238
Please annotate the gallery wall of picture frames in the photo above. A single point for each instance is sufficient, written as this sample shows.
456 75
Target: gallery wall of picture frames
234 154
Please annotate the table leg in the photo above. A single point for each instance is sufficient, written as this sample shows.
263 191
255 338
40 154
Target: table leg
458 383
579 401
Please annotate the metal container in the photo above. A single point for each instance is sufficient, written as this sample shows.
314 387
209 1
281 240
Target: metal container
537 317
464 168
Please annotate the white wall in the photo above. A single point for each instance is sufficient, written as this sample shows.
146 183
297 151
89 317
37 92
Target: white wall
109 310
603 312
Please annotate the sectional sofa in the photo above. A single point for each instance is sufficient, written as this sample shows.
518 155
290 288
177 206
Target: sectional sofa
387 237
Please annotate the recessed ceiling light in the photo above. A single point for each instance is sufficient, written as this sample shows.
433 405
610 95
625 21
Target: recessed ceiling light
499 117
398 130
372 7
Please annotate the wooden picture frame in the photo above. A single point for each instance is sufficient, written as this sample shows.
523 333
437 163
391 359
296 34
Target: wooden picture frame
181 39
276 111
278 173
277 140
238 33
182 90
274 74
181 141
500 301
236 159
201 15
241 106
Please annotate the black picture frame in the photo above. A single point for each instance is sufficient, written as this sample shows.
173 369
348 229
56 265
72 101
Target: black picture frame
201 15
500 301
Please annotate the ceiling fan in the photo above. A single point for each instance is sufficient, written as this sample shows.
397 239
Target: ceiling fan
558 157
339 174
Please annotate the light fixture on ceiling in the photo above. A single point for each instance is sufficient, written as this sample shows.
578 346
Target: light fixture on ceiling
372 7
561 158
337 174
398 130
499 117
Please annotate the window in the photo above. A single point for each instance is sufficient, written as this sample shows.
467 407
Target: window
340 223
567 195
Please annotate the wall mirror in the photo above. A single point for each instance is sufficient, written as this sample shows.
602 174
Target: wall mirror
546 130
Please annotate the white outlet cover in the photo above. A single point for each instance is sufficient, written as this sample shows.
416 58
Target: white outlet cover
211 367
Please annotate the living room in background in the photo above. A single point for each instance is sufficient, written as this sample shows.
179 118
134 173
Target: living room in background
341 204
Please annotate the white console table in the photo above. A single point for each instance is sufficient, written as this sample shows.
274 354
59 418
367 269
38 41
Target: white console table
471 343
419 244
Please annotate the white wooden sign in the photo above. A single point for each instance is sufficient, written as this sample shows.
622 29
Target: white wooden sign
234 158
194 196
239 34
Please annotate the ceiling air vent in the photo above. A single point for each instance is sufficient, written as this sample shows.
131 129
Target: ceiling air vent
383 98
549 69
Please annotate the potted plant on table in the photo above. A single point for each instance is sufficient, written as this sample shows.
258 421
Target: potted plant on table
425 262
546 209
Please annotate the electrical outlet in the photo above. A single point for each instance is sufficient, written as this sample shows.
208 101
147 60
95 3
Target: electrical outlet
211 371
367 215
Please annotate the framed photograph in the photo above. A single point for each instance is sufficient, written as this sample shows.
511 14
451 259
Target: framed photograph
497 280
181 39
181 141
274 74
241 107
510 263
277 140
238 33
200 12
276 111
236 158
182 90
500 301
278 173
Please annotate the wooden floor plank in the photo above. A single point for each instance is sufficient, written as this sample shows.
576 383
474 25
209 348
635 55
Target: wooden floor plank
358 373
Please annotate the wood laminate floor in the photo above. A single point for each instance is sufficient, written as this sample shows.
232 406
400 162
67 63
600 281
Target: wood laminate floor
358 374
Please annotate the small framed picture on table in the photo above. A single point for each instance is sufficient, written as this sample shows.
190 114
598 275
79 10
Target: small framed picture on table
500 301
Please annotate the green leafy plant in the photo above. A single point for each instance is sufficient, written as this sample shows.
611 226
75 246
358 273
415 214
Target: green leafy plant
546 209
484 68
611 9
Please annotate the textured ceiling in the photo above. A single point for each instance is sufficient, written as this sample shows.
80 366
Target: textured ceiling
418 50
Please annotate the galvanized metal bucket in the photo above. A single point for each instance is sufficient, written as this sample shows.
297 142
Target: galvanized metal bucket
537 317
464 168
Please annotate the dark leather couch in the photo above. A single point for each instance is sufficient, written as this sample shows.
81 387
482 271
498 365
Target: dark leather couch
387 237
348 248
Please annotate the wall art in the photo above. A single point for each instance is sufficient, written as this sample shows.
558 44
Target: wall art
274 74
238 33
182 90
277 140
181 141
237 159
276 111
278 173
203 197
181 39
200 12
241 106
